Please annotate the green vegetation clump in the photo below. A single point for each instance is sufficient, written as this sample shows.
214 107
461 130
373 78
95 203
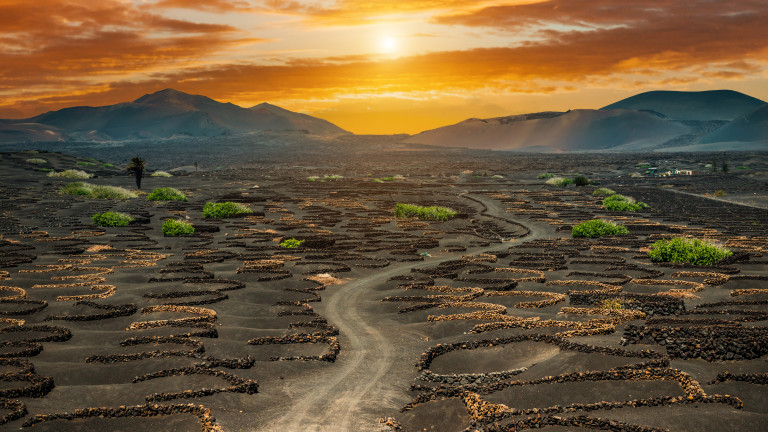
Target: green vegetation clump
84 163
161 174
36 161
47 170
687 250
291 243
111 219
107 165
546 176
166 194
225 209
71 174
621 203
391 178
603 192
174 228
98 192
720 193
598 228
497 176
425 213
581 181
559 181
742 167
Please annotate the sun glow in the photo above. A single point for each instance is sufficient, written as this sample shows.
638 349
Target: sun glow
388 44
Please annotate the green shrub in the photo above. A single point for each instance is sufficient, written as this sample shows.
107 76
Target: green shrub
225 209
597 228
546 176
603 192
111 219
107 165
581 181
47 170
173 228
161 174
559 181
99 192
88 164
497 176
742 167
720 193
392 178
291 243
687 250
621 203
71 174
333 177
313 178
425 213
77 188
166 194
36 161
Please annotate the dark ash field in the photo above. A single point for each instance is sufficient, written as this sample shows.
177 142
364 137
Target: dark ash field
492 321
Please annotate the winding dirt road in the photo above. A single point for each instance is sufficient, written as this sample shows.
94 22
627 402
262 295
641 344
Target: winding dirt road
363 380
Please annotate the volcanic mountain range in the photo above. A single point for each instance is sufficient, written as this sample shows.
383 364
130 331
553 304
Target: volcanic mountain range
656 120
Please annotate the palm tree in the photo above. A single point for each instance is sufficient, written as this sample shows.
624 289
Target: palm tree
136 167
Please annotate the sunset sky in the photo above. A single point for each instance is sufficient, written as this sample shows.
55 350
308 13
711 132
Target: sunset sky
378 66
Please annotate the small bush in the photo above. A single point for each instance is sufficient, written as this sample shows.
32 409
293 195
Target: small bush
392 178
88 164
225 209
291 243
546 176
47 170
581 181
597 228
111 219
36 161
497 176
333 177
98 192
161 174
71 174
166 194
174 228
603 192
107 165
621 203
425 213
77 188
720 193
559 181
686 250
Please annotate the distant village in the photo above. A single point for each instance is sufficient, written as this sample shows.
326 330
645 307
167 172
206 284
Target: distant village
667 168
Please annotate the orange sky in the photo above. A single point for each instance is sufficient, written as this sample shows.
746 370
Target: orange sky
378 66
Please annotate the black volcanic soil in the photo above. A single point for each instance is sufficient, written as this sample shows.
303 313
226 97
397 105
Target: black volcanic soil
491 321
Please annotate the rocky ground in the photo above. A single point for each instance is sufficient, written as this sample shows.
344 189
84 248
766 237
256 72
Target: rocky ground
495 321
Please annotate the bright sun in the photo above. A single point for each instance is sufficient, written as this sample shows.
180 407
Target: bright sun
388 44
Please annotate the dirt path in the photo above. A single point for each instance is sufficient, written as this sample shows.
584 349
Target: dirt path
364 379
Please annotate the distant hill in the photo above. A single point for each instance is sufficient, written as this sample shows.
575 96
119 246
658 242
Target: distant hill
577 130
702 106
751 127
164 114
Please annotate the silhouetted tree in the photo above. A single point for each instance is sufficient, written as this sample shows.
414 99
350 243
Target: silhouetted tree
714 164
136 167
725 163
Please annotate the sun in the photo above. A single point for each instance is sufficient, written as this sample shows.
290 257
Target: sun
388 44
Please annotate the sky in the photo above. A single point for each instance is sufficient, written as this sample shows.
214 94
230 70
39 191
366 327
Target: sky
378 66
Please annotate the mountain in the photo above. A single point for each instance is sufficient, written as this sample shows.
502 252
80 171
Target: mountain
701 106
280 118
170 113
576 130
751 127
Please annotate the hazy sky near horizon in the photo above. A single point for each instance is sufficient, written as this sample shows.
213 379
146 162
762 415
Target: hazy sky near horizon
378 66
